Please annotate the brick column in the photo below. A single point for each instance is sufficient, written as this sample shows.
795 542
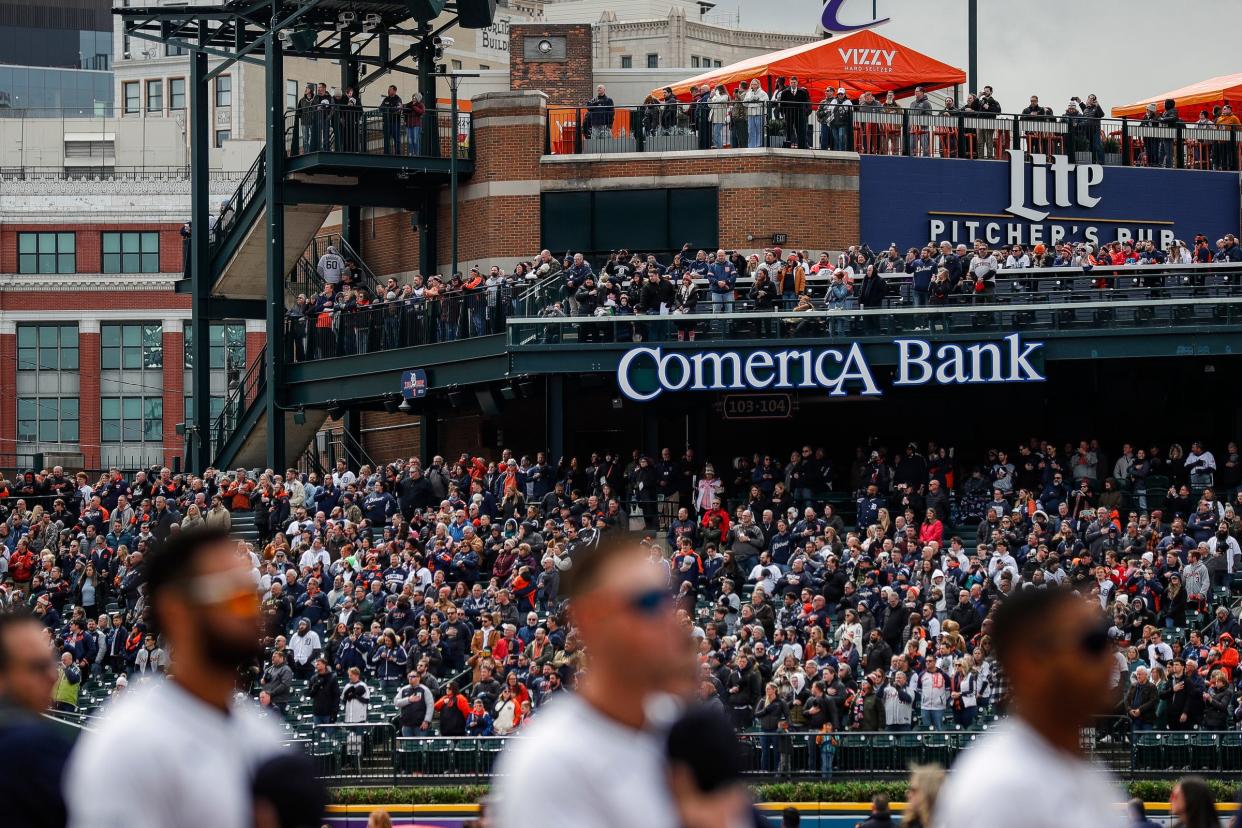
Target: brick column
256 338
8 394
174 389
88 392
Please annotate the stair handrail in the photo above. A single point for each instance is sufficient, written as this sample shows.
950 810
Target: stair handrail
239 401
355 455
246 192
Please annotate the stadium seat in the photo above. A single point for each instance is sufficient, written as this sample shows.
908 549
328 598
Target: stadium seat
854 752
1148 751
1205 750
1231 752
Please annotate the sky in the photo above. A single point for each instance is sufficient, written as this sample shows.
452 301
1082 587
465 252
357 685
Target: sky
1052 48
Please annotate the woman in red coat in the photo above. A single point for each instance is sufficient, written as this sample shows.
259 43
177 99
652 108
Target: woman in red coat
932 529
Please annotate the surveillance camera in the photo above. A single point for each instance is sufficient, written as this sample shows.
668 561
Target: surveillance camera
447 42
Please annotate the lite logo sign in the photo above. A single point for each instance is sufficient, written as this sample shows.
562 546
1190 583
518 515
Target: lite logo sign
645 373
1070 184
831 19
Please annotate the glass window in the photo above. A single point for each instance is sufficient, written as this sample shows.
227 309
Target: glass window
131 252
130 93
694 61
47 419
222 135
224 90
291 94
176 94
228 346
131 347
47 347
627 62
46 253
155 96
653 61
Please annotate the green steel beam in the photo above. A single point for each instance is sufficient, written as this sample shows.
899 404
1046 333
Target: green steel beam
353 163
200 256
275 161
464 362
219 307
353 196
190 46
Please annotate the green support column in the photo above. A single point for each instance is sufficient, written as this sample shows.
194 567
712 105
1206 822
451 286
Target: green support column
200 274
428 222
428 231
428 435
351 217
275 160
555 404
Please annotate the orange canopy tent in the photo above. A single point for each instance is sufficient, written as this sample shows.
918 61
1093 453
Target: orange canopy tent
861 62
1226 89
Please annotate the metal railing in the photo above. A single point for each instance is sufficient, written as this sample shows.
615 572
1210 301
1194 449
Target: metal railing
1057 285
250 188
988 317
877 130
400 323
381 131
239 399
109 173
375 752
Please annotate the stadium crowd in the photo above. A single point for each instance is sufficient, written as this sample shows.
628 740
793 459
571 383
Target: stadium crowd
350 317
439 584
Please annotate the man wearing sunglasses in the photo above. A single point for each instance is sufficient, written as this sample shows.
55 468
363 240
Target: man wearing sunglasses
608 750
190 749
1053 647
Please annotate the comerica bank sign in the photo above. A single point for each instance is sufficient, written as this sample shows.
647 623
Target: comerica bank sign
645 373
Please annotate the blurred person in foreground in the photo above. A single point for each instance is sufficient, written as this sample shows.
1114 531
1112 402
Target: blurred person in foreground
598 757
192 753
1054 650
1192 805
31 751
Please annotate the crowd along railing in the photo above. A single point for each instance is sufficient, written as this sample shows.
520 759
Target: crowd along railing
880 130
987 317
407 321
380 131
1059 285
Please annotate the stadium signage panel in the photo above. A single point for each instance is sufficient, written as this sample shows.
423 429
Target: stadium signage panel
1031 199
831 19
414 384
645 373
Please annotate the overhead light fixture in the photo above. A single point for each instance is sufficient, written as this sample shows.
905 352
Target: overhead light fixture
299 417
526 389
335 411
405 407
390 403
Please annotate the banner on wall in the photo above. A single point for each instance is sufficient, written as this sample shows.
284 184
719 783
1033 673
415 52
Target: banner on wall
1031 199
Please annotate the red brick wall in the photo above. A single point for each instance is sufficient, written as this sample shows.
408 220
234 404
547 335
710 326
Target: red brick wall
386 437
88 397
89 244
255 340
566 83
174 394
816 219
8 394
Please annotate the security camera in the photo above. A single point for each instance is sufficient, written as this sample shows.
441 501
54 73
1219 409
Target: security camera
447 42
